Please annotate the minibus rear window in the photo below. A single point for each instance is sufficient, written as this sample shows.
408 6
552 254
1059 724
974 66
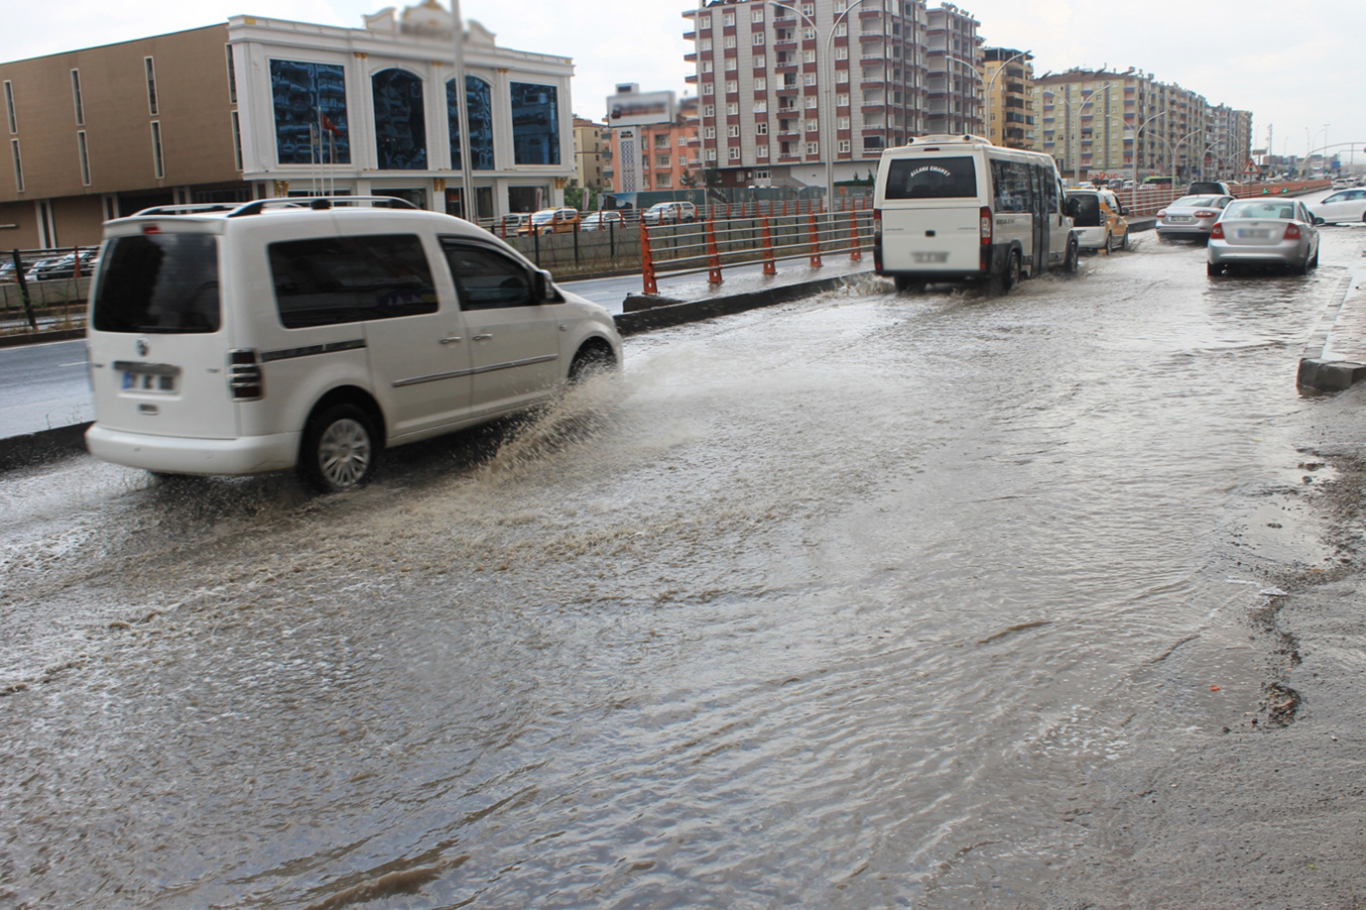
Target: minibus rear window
158 283
932 178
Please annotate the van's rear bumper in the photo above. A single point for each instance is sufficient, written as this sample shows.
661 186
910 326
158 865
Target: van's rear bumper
181 455
991 262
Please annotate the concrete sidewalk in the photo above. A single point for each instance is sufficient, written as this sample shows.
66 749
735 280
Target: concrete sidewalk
1335 356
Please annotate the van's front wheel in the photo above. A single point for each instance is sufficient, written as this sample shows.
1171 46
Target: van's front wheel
339 449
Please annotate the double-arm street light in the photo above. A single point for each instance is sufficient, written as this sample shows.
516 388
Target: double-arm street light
1090 97
826 112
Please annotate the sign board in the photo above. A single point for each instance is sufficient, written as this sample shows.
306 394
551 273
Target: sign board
1251 168
640 108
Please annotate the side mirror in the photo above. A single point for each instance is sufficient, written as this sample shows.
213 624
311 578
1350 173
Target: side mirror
544 287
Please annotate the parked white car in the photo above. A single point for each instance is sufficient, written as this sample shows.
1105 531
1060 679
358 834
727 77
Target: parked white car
670 213
1341 207
278 336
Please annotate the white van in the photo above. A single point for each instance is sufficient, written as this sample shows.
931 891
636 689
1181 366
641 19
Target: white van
279 335
954 208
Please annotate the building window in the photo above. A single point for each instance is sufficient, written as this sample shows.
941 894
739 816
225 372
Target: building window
535 123
842 99
9 106
704 44
730 41
479 110
761 151
761 128
708 132
711 154
842 123
706 66
732 108
761 106
305 96
661 161
808 56
151 69
812 126
664 181
708 88
232 78
842 30
732 86
400 124
841 75
47 228
18 162
813 148
85 157
809 78
708 110
733 130
757 14
761 84
811 102
76 97
844 146
735 153
758 39
841 53
727 19
760 62
732 64
809 9
158 163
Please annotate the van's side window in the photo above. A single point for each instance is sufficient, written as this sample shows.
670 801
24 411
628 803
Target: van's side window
486 279
932 178
1050 191
330 280
1014 191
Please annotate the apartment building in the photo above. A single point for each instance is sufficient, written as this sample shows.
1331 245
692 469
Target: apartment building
786 88
669 153
256 107
1097 122
954 82
1009 97
592 153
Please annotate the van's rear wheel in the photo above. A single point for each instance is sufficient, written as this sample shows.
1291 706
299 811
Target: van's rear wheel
905 283
1070 261
339 449
1010 277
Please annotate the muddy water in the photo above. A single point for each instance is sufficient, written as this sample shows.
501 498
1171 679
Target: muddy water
854 602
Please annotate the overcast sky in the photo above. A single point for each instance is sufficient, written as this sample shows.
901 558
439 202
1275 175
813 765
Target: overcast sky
1296 66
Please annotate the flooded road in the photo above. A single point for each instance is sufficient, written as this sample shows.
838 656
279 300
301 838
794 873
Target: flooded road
857 602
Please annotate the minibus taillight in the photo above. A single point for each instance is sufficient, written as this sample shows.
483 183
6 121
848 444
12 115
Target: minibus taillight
877 240
986 228
245 381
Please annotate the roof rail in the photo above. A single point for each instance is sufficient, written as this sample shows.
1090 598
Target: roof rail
319 203
186 209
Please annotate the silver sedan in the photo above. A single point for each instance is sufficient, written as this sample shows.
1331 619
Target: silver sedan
1190 217
1264 232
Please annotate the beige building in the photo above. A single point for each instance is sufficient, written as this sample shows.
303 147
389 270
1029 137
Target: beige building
592 153
108 130
1009 97
258 107
1113 124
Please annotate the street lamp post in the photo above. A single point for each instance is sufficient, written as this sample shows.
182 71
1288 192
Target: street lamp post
1138 134
1090 97
462 112
1173 150
828 112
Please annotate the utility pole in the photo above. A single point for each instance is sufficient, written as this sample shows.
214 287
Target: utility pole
462 111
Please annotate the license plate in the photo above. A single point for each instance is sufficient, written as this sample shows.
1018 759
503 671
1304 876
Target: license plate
930 257
1254 233
1179 219
147 382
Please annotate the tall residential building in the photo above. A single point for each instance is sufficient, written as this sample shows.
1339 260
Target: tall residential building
592 153
1009 91
257 107
954 84
1110 123
1233 142
785 88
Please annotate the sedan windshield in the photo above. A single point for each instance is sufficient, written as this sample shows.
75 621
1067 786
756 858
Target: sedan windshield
1284 211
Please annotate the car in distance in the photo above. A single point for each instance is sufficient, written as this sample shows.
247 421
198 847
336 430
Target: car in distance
1264 232
1341 207
514 223
552 221
274 336
64 267
669 213
1209 188
601 221
1099 221
1190 217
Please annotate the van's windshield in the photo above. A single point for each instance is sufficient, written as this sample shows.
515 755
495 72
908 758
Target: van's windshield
932 178
158 283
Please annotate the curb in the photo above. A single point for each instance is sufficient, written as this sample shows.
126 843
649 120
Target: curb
22 338
671 314
1318 372
37 448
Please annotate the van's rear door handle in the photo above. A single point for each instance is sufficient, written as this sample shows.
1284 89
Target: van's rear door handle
482 337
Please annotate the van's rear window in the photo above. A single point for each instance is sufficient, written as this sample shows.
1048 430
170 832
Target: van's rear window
932 178
158 283
329 280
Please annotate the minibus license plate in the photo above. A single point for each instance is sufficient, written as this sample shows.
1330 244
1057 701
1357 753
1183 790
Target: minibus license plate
931 257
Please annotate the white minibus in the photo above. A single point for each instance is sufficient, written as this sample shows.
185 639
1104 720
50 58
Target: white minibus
957 208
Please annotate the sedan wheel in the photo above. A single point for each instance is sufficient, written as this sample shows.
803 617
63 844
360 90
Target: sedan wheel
1212 269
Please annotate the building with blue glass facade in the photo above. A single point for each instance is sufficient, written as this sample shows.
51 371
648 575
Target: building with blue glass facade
374 111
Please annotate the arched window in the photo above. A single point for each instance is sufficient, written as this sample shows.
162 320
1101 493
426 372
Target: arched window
479 102
400 128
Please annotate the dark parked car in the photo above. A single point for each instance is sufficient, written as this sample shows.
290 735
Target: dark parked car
1209 188
63 267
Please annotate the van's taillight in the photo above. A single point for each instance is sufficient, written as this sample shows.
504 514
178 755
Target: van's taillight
1217 232
151 229
1292 232
245 380
987 225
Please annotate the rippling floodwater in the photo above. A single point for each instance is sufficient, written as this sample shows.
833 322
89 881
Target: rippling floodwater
850 603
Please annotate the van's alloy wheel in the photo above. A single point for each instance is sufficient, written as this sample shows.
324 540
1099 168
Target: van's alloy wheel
339 450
